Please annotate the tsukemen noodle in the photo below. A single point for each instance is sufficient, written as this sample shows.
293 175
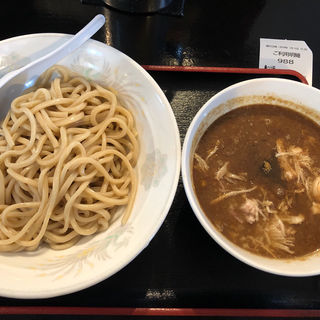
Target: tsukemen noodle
256 174
67 153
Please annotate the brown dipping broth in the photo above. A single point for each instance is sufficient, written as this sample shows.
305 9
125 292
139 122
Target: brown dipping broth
246 138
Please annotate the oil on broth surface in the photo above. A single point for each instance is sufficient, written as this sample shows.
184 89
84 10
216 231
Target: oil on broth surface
257 178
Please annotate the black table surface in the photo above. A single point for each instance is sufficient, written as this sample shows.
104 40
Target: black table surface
183 267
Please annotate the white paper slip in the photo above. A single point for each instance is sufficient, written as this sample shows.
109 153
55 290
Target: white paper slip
286 54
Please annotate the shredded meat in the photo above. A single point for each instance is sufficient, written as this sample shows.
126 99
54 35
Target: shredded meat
285 204
213 151
295 163
224 174
231 194
201 163
276 231
273 236
293 219
279 237
222 171
283 158
251 210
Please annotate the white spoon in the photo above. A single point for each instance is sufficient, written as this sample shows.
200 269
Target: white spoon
15 82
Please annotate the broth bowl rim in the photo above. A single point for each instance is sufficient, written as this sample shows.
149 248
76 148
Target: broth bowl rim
255 261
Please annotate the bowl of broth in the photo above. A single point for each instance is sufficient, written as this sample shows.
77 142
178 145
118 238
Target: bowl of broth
251 171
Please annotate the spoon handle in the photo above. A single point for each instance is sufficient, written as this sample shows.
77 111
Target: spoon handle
42 64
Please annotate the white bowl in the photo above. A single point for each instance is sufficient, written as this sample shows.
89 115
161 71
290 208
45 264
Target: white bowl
287 93
48 273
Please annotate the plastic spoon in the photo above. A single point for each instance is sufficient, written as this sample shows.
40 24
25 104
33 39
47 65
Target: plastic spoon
15 82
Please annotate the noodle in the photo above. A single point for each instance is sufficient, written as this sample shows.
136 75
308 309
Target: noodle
67 153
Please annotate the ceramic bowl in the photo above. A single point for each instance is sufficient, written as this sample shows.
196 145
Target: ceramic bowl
47 273
287 93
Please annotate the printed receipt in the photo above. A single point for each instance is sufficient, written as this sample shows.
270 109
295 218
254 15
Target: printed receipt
286 54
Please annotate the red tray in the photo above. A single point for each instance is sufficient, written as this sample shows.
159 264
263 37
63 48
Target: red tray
228 70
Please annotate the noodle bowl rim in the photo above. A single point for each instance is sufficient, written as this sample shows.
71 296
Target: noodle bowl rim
142 242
